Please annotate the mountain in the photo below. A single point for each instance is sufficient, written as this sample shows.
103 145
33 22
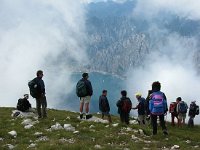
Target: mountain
119 41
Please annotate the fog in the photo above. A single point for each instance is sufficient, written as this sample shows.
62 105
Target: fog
171 58
34 35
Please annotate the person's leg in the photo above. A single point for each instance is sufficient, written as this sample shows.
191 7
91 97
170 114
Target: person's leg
127 118
109 118
87 108
102 116
172 121
38 107
162 123
154 123
122 117
81 107
179 120
44 106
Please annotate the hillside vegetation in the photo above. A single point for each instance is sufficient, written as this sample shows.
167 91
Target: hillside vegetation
56 133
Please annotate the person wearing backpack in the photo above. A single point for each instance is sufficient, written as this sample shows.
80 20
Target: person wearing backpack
141 108
124 107
193 111
181 110
84 91
23 104
158 107
37 90
172 110
104 106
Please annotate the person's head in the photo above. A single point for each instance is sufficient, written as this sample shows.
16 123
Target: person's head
138 95
104 92
156 86
85 75
123 93
178 99
26 96
39 73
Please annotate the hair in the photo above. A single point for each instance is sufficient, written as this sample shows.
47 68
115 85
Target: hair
84 75
39 72
123 93
104 91
156 86
179 98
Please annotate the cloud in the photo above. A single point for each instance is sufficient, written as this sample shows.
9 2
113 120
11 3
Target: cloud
183 8
39 34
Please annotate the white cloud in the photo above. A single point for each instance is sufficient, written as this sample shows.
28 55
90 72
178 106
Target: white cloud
183 8
34 35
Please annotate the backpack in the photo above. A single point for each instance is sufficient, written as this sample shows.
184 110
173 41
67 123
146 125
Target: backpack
172 107
126 105
22 105
81 90
182 107
197 110
33 87
158 101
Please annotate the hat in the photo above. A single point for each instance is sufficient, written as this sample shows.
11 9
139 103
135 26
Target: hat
138 94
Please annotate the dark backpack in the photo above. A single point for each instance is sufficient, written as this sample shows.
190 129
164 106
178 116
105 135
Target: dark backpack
22 105
197 110
126 105
81 90
33 87
182 107
172 107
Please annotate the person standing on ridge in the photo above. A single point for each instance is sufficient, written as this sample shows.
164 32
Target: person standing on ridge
37 91
158 107
84 91
141 108
104 106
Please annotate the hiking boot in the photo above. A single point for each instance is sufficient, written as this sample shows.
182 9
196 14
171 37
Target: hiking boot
88 116
81 116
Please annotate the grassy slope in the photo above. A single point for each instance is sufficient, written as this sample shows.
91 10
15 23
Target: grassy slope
87 138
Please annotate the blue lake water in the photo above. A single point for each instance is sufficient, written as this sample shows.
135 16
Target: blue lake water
99 81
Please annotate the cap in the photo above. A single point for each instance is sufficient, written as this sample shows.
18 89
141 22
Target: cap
138 94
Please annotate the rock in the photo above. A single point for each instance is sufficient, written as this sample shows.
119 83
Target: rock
13 133
68 118
115 125
28 126
188 141
175 147
32 145
98 147
92 126
197 146
38 134
107 126
1 139
10 146
57 126
43 138
69 127
141 131
75 132
133 122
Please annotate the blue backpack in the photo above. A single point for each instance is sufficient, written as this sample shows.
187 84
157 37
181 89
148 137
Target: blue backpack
182 107
158 103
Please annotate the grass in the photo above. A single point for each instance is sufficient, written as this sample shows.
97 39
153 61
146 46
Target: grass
107 137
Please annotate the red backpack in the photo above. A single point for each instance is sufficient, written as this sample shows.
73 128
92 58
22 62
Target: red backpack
172 107
126 105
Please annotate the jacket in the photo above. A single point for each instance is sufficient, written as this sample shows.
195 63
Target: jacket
104 104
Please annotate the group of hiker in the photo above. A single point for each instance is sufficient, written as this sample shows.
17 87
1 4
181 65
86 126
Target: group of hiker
149 109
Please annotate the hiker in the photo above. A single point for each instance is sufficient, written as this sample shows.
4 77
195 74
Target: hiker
141 108
104 106
193 111
173 111
158 107
23 104
84 91
147 111
124 107
37 91
181 110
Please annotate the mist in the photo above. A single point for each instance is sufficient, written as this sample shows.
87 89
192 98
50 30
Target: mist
171 58
40 34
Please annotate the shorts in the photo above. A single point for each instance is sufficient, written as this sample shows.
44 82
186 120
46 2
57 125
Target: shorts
85 99
141 118
181 116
